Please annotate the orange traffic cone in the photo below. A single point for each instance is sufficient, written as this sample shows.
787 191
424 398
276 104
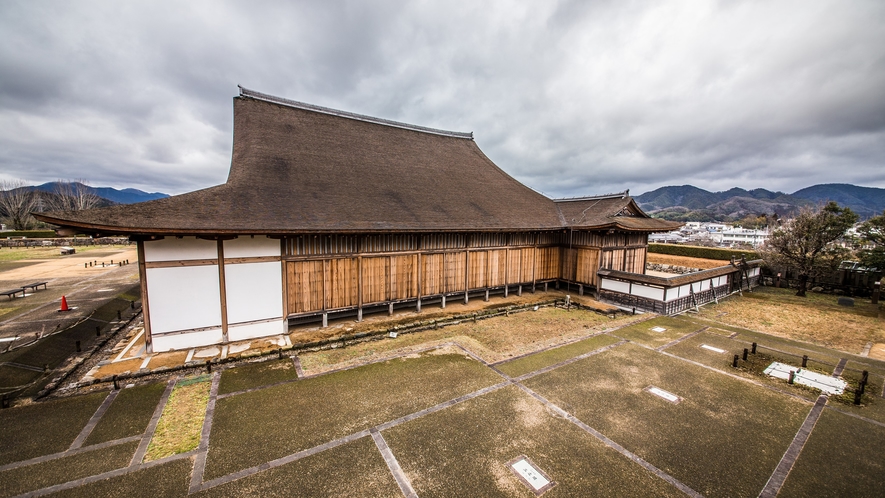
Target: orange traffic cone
64 305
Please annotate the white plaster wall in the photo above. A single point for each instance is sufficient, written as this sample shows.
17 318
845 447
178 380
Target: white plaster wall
183 249
186 341
244 331
254 291
648 292
677 292
182 298
616 285
245 246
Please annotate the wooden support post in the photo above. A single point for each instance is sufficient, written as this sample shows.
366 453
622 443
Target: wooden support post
359 288
390 309
285 278
420 273
325 320
580 289
222 291
487 294
519 290
443 301
545 286
466 276
146 315
506 270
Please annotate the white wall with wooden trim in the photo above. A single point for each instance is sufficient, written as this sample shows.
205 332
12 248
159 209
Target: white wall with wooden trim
184 284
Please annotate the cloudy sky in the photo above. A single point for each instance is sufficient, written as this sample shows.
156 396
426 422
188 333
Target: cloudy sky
570 97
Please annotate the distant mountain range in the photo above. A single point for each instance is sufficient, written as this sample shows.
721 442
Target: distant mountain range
689 203
125 196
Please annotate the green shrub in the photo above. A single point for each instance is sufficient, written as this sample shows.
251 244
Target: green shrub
702 252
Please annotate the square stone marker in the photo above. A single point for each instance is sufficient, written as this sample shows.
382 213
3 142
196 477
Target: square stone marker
530 475
658 329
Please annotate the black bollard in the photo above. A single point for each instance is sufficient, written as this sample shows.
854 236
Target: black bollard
78 346
804 360
97 331
116 386
754 348
132 305
634 311
280 353
746 352
792 377
857 395
209 366
735 362
864 376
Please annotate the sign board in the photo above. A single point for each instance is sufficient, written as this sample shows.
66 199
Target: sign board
530 475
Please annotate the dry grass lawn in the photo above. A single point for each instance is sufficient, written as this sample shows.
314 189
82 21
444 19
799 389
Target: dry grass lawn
181 423
816 318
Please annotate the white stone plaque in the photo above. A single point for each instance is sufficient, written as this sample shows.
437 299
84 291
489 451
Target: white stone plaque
672 398
713 349
658 329
531 475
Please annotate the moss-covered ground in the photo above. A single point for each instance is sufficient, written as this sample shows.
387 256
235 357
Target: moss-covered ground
353 469
465 450
839 460
44 428
255 427
61 470
256 375
129 413
723 439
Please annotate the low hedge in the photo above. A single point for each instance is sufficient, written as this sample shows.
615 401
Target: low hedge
31 234
702 252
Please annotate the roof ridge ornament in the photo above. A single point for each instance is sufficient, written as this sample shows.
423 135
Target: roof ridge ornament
618 195
245 92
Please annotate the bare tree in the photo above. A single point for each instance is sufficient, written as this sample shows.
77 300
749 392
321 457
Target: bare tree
72 196
807 242
17 201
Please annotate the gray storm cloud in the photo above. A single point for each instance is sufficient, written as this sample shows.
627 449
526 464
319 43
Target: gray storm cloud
571 98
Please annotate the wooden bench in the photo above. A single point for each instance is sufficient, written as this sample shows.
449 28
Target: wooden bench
11 293
34 286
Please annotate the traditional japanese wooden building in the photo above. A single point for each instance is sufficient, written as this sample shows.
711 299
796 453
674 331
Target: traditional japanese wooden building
327 212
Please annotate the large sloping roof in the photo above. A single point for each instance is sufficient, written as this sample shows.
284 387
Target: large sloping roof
302 168
613 212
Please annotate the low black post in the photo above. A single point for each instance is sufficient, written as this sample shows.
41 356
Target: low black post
132 305
792 377
735 362
634 311
119 315
116 386
857 395
746 352
77 343
754 348
280 353
209 365
804 360
97 331
864 376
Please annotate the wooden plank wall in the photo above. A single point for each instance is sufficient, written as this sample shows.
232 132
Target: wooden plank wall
328 272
